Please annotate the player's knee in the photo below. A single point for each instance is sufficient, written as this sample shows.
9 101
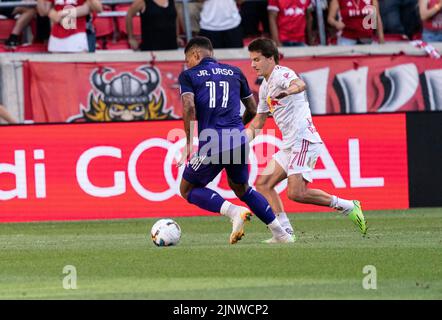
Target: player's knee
240 193
239 189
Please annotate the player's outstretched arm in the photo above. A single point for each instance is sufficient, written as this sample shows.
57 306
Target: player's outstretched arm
296 86
189 116
250 105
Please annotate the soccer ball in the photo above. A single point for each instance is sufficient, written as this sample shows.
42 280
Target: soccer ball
165 232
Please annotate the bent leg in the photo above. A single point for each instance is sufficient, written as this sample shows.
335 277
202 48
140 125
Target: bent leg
193 186
238 176
299 191
202 197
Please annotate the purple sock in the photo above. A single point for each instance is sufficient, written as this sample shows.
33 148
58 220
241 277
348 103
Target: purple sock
259 205
206 199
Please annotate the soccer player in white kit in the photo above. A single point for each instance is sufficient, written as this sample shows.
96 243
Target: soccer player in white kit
282 93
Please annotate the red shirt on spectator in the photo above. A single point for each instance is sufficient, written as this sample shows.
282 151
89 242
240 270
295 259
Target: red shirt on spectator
435 23
58 30
291 19
353 13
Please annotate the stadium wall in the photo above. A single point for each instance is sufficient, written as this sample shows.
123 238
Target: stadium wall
12 79
128 170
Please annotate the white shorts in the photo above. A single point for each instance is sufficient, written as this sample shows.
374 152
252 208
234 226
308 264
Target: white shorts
75 43
301 158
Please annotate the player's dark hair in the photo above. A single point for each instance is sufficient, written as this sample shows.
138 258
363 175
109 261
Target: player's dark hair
200 42
266 47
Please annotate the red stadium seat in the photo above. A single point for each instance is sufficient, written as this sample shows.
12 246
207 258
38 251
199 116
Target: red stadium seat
104 27
121 21
6 26
117 45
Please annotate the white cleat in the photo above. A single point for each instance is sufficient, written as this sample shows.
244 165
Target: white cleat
286 238
238 222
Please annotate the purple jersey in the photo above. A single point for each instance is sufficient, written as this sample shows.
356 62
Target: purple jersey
218 89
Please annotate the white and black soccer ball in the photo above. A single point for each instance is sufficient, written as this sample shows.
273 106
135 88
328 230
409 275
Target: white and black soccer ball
165 232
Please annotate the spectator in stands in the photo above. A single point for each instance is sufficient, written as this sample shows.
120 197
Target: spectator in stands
431 15
43 29
357 20
68 17
400 19
221 23
95 7
194 15
6 116
290 22
254 18
26 14
159 25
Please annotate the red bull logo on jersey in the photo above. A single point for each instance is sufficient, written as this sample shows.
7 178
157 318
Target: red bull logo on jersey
272 103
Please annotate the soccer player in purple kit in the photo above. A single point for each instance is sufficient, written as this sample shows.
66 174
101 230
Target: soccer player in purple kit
211 94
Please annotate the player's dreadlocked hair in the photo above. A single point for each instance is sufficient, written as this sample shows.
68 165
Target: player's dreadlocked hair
200 42
267 47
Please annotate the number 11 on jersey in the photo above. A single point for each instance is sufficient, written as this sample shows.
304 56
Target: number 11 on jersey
212 93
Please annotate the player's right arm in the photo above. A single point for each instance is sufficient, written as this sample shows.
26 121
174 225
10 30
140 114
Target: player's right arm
189 114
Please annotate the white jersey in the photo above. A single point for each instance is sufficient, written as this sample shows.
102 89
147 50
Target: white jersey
291 113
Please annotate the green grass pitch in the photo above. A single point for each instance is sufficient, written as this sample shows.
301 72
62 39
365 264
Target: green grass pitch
114 259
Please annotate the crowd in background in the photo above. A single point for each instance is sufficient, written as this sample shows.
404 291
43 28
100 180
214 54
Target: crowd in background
229 23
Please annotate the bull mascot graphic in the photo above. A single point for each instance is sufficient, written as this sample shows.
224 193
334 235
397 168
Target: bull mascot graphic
125 98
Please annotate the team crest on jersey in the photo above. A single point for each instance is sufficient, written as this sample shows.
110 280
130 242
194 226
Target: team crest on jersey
272 104
125 97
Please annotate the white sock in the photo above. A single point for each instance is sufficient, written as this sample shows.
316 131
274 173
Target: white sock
283 219
228 209
276 229
342 205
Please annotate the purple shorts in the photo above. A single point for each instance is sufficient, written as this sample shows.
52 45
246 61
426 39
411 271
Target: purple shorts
201 170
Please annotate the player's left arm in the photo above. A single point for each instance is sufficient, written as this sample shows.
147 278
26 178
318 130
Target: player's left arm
250 112
247 99
296 86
